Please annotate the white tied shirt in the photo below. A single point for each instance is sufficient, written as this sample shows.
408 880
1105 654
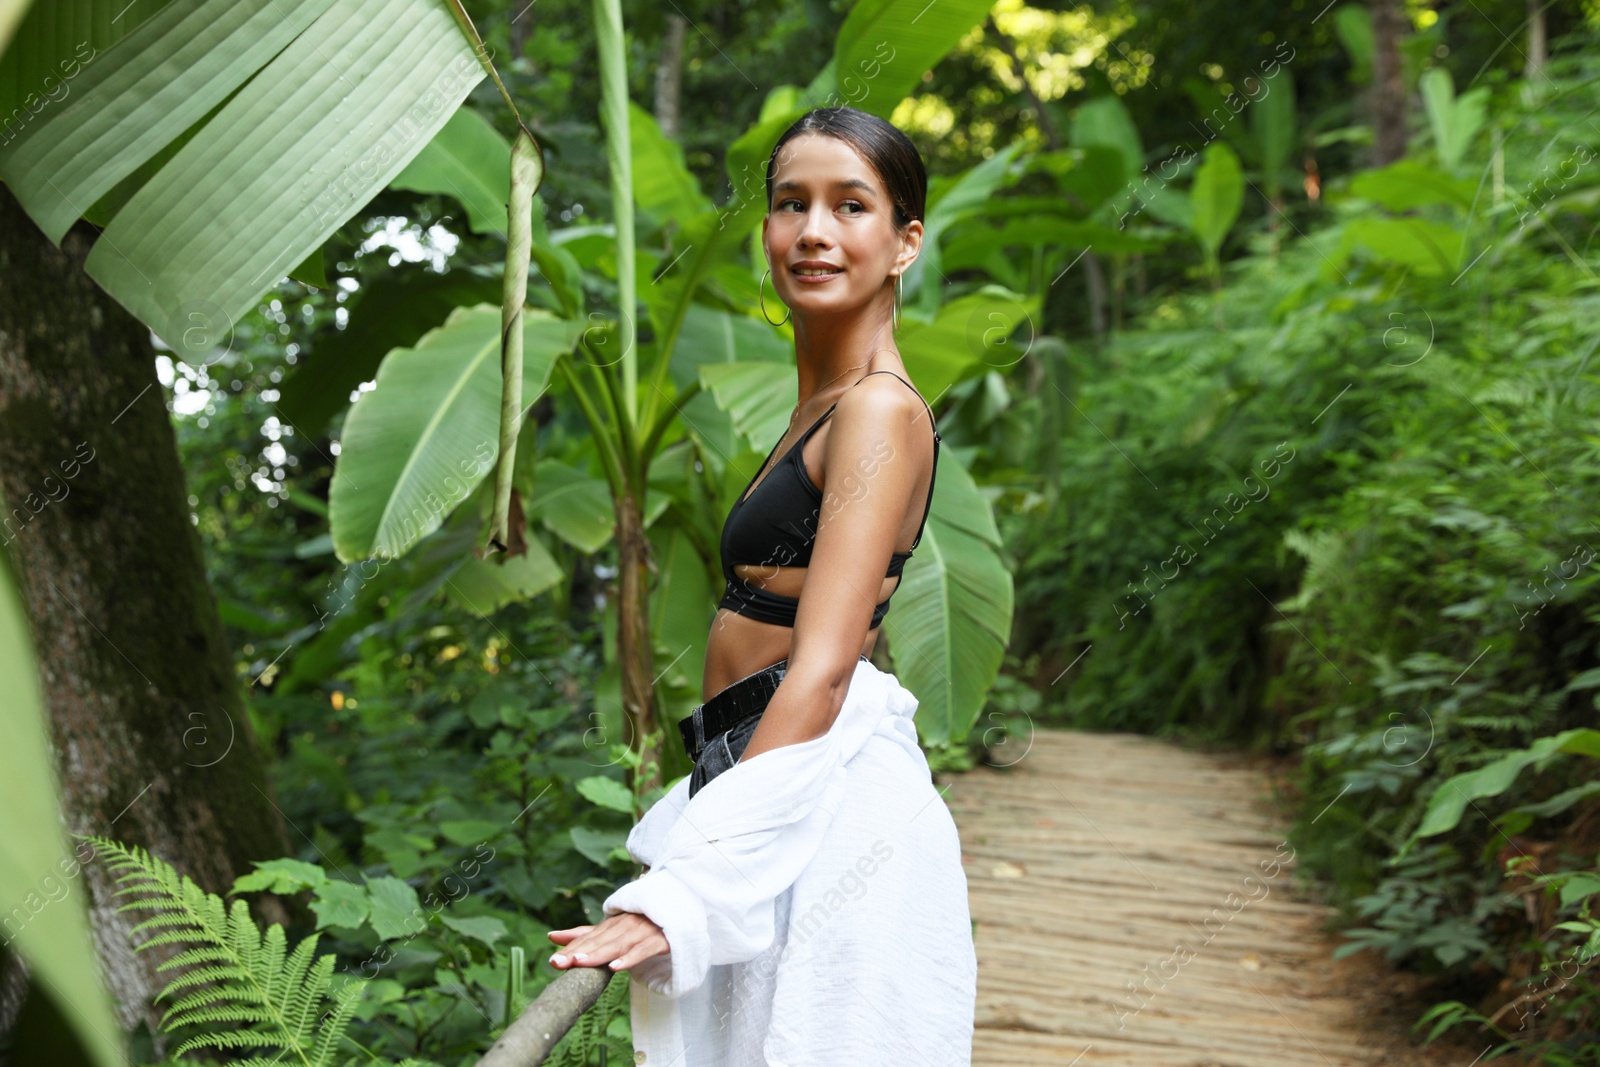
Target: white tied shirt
775 897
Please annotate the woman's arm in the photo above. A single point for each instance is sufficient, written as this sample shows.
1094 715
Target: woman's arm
875 450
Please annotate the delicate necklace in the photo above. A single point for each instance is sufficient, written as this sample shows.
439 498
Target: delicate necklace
827 383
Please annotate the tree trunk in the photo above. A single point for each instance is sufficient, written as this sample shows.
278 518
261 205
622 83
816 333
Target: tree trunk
634 652
1388 94
1095 278
147 723
669 76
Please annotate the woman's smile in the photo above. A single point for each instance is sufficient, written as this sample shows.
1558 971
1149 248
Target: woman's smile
814 272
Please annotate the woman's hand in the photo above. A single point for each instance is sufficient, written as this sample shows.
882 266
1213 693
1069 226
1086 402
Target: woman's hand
623 940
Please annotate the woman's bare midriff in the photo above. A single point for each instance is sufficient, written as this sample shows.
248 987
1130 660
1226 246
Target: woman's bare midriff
739 645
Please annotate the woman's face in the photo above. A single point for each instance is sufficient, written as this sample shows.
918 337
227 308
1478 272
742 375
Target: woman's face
830 208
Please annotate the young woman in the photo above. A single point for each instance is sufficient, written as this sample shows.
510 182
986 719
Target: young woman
805 901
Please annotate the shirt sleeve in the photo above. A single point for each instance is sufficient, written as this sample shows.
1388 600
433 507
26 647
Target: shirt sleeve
719 862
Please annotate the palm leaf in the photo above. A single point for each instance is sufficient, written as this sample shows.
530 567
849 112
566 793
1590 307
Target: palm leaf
390 312
419 443
758 395
951 615
470 161
885 46
329 101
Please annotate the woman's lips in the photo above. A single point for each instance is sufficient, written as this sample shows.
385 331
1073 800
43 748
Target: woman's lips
814 279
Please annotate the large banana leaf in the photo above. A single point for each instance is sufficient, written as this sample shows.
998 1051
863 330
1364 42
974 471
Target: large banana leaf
991 328
950 619
577 507
486 585
129 103
52 44
885 46
423 439
968 195
388 313
573 505
760 397
663 188
11 12
710 335
469 160
40 883
313 129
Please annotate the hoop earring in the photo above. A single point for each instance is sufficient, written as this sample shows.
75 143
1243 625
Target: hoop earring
897 299
762 298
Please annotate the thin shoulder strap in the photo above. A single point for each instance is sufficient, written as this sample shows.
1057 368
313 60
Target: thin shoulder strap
796 447
913 388
927 508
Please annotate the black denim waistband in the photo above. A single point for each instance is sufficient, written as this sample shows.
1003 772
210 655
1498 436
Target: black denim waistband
731 706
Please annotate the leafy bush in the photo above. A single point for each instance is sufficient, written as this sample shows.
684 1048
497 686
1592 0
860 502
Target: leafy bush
1343 505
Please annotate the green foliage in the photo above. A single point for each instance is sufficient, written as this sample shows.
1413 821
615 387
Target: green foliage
885 45
1273 126
1217 197
604 1026
1429 906
1491 780
244 989
1455 120
1353 524
1317 530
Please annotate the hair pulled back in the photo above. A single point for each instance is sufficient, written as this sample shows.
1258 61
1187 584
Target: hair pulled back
882 144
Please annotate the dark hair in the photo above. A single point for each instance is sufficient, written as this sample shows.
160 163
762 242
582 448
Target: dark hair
881 143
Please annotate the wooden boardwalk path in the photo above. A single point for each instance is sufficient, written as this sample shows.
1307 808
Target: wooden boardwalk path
1126 915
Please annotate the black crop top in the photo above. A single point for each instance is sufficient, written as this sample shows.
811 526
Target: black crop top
782 529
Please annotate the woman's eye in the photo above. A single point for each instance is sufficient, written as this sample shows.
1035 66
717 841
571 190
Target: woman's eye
854 204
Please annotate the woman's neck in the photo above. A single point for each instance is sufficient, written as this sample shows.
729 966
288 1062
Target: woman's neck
828 346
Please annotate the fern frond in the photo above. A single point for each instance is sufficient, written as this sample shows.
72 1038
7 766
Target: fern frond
201 954
228 1039
235 976
199 976
333 1029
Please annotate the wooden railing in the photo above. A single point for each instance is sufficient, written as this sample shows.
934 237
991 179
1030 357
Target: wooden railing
546 1021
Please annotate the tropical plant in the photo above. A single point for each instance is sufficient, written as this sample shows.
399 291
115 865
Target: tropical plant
276 1001
661 456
